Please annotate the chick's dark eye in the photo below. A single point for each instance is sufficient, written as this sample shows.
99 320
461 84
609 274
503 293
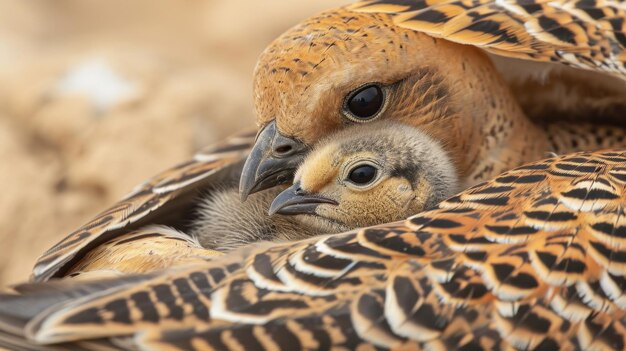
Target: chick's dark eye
362 174
365 102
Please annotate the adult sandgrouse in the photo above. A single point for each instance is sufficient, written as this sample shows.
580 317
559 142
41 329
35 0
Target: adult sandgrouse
483 77
453 92
530 260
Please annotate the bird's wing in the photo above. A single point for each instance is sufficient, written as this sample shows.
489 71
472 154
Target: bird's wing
147 249
583 33
533 259
152 198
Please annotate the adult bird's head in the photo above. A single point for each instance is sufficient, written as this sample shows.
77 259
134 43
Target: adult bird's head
368 175
341 68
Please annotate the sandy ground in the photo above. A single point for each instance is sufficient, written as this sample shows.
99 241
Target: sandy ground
97 95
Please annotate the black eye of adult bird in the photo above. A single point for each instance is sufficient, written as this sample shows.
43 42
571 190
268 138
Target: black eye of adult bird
364 103
363 174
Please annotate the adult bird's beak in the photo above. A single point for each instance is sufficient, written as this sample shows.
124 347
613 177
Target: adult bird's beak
272 161
293 201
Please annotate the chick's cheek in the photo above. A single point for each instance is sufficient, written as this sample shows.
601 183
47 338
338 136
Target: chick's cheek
381 204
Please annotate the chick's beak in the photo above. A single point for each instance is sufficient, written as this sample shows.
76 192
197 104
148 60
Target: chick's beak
294 201
272 161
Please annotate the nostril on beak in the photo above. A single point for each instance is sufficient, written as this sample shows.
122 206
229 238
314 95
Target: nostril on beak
298 190
284 147
283 150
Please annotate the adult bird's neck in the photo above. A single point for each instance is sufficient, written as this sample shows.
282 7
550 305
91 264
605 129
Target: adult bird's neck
505 137
484 129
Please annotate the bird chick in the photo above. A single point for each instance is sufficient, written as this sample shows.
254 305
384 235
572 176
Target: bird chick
368 175
360 176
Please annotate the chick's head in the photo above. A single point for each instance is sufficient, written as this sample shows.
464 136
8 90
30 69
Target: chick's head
367 175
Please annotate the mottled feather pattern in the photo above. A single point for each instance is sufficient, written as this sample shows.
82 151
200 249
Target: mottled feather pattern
143 200
532 260
587 34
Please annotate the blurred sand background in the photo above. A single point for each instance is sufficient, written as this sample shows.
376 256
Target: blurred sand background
97 95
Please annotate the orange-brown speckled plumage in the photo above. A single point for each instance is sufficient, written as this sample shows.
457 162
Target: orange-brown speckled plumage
583 34
530 259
